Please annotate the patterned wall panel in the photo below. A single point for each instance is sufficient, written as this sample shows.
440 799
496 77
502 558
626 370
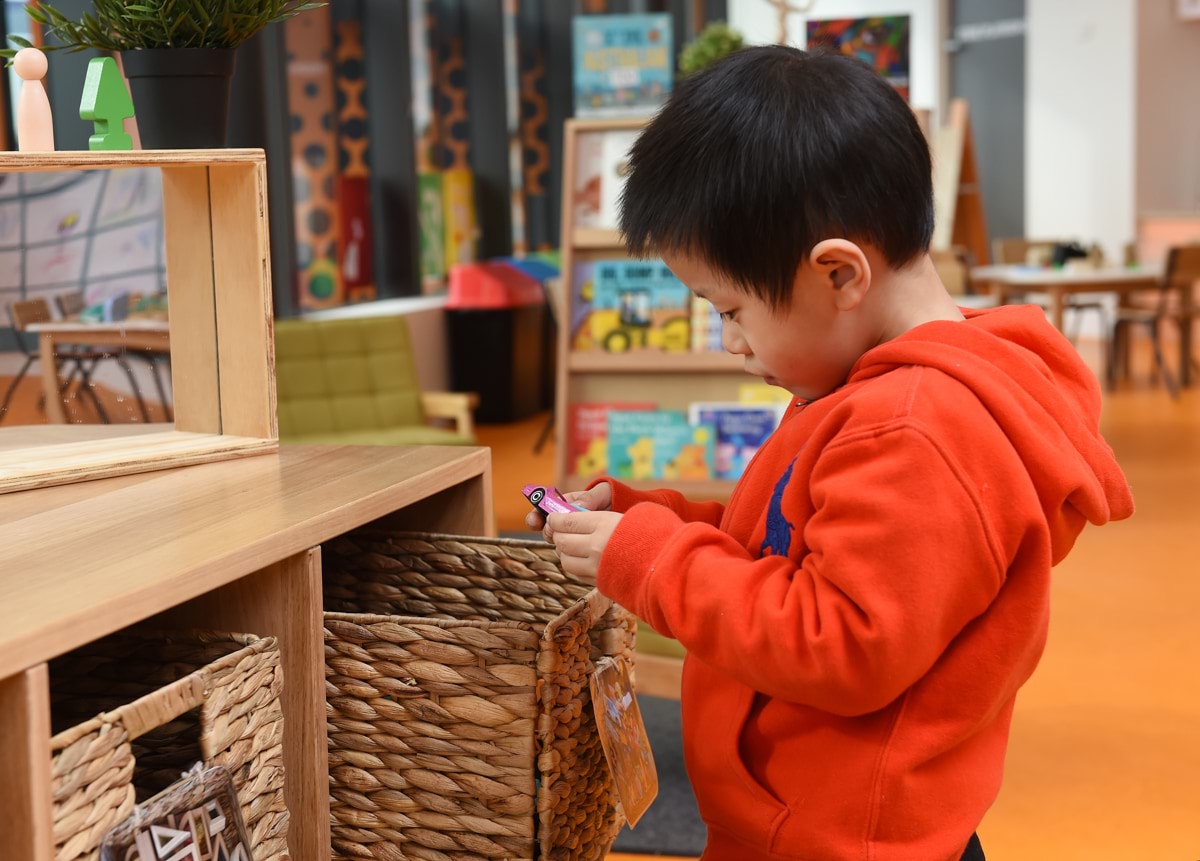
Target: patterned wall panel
355 252
309 42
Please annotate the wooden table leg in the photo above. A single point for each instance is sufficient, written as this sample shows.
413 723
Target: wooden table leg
1057 307
26 830
284 601
1186 301
999 291
50 381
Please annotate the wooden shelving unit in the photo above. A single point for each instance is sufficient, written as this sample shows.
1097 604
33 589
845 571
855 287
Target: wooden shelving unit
662 363
231 546
596 238
673 380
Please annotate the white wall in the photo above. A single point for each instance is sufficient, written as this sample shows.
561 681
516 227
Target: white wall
1079 121
758 21
1168 126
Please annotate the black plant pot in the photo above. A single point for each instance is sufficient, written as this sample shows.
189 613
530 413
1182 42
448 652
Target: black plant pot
180 95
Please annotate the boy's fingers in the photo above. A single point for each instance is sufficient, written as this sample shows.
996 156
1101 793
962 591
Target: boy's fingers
577 522
571 544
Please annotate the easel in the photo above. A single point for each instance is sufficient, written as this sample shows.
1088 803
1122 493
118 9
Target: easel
959 220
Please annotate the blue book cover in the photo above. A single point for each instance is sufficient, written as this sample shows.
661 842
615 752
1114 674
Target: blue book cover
623 64
684 451
740 430
632 435
638 304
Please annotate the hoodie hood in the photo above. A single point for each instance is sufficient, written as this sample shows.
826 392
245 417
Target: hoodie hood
1041 393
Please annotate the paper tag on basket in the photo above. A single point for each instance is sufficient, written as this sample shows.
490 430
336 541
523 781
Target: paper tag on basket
623 735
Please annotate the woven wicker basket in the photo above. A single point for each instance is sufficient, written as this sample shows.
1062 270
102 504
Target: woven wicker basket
460 719
165 701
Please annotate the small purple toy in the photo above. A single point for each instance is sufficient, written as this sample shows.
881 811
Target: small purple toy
548 500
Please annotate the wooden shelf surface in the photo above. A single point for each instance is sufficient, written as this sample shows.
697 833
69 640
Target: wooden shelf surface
593 238
34 456
654 363
14 162
80 561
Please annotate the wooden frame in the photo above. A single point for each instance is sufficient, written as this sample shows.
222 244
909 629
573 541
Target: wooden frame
957 191
674 379
219 287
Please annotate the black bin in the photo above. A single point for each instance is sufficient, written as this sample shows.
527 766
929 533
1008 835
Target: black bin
497 328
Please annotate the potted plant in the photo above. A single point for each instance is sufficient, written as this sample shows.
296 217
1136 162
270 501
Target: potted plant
713 42
178 56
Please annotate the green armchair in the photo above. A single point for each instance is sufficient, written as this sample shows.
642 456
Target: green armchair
352 382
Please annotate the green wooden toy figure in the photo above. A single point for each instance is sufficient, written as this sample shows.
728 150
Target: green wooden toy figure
107 104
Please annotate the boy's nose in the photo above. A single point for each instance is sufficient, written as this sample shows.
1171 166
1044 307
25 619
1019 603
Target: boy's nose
732 342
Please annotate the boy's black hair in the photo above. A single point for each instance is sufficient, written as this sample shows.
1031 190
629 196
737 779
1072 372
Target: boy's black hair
755 160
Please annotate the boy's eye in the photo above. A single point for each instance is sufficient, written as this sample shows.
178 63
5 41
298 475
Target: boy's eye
727 315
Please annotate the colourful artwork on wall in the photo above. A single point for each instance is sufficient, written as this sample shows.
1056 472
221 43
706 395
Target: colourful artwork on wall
882 43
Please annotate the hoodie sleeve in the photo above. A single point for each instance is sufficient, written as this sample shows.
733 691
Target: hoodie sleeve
625 497
900 558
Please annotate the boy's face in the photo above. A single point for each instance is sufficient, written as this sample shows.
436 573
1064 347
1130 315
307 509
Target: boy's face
807 348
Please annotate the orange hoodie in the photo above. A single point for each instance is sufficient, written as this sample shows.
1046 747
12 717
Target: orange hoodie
859 618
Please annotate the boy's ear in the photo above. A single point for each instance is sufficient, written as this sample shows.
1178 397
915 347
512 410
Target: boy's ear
843 266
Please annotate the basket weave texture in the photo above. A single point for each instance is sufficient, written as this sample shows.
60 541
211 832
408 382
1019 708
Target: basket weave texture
460 719
165 702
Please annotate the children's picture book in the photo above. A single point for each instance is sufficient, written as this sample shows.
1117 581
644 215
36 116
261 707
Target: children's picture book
623 64
432 230
623 737
197 818
740 430
762 393
706 327
631 305
631 437
587 432
684 452
644 445
601 166
458 216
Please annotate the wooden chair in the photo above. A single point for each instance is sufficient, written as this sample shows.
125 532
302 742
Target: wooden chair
70 304
1182 272
73 304
82 362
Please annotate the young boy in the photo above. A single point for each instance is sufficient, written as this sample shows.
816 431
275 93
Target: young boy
859 618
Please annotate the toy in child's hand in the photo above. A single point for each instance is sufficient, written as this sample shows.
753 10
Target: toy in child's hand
548 500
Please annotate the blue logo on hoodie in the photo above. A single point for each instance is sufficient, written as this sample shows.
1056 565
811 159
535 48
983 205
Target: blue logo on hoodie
779 529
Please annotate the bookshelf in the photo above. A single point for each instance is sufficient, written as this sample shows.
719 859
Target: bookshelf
669 363
672 380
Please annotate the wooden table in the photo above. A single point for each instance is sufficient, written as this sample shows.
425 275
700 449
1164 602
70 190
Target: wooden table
231 546
150 335
1004 281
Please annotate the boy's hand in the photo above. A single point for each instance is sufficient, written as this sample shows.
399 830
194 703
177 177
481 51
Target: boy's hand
599 498
580 538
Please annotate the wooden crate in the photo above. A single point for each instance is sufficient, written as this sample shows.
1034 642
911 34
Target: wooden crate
219 294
